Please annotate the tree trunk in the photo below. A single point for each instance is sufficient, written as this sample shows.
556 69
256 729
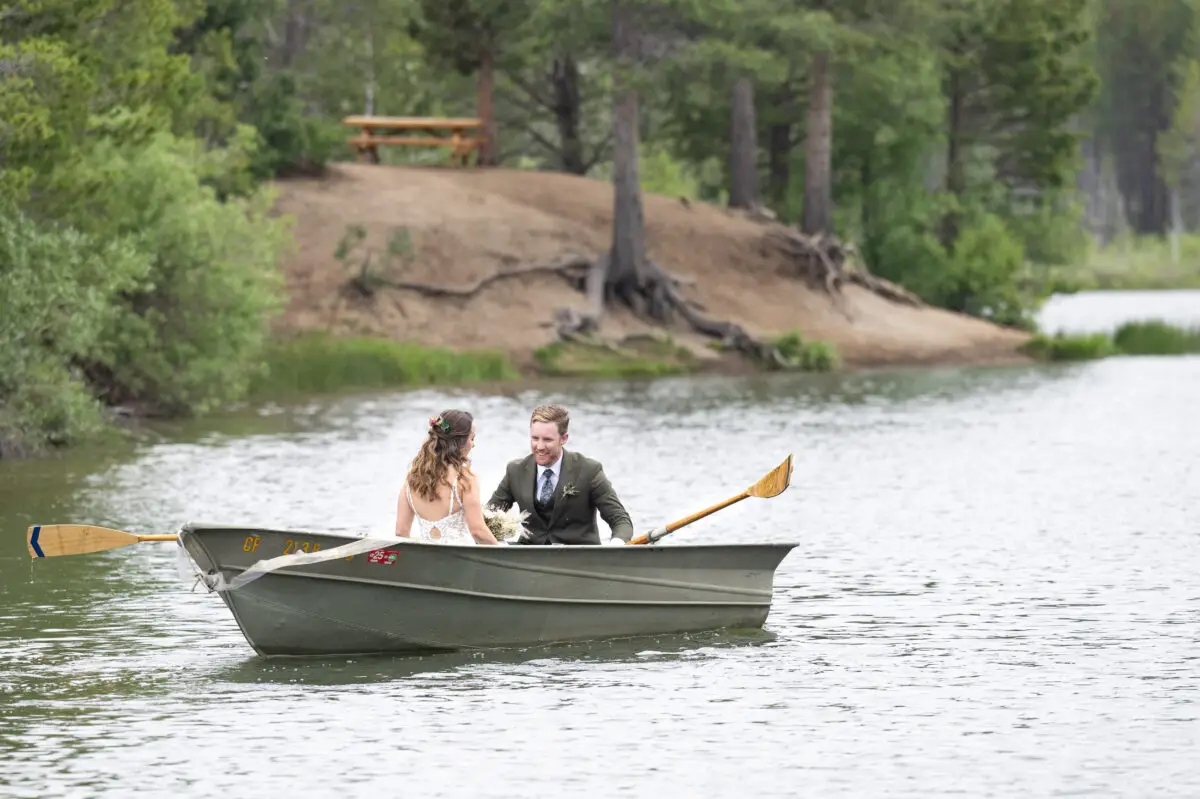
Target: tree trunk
485 91
779 163
818 190
297 21
565 77
369 90
1176 224
743 151
956 177
627 267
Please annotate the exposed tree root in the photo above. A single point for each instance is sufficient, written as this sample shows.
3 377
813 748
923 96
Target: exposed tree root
568 266
657 297
828 263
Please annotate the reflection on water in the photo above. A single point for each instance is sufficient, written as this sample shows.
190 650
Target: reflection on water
995 594
464 667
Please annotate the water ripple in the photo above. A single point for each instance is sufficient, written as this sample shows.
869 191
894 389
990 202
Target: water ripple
994 594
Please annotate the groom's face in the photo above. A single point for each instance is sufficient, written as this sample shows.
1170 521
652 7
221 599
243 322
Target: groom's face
545 442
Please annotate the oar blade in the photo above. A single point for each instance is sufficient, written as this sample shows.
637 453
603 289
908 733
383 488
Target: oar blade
52 540
775 483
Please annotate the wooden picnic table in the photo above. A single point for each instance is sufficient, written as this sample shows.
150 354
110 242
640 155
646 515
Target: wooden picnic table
461 135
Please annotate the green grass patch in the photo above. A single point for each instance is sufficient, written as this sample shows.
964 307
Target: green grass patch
635 356
1065 347
807 356
319 363
1155 337
1152 337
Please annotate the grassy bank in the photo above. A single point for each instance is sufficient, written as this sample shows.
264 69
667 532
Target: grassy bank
635 356
1152 337
659 356
318 364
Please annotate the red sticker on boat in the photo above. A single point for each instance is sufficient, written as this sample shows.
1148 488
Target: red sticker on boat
385 557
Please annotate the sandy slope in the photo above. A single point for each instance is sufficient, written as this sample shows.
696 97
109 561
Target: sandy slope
466 224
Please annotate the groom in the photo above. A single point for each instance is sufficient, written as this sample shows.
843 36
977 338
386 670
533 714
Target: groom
561 490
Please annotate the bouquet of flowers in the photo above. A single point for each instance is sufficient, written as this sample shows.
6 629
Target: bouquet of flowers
506 525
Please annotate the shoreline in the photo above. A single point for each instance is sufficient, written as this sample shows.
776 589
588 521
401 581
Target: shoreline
316 364
1140 339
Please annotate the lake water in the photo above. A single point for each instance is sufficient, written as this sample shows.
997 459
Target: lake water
995 593
1101 311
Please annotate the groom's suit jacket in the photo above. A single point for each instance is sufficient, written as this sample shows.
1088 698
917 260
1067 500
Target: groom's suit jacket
570 515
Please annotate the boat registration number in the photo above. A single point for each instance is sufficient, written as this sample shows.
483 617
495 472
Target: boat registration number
289 546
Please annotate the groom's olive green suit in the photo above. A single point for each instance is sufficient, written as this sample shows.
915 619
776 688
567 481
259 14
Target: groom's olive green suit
569 517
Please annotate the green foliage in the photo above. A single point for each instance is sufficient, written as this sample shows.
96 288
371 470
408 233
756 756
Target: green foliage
43 91
141 258
318 363
458 33
1151 337
980 275
1156 337
1179 145
1130 263
663 173
190 330
1039 81
807 356
1064 347
59 288
634 357
1142 53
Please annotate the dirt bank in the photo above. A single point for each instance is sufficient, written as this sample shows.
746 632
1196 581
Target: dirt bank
467 224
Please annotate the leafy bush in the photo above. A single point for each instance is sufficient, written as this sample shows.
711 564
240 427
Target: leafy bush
189 334
59 288
807 356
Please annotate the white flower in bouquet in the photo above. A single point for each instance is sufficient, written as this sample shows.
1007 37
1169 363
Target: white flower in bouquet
506 525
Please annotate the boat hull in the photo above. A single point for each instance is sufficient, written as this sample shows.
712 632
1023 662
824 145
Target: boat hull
412 597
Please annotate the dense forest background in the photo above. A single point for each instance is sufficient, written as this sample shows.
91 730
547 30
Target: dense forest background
971 149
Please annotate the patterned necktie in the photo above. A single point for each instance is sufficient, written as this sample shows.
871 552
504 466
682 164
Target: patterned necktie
547 487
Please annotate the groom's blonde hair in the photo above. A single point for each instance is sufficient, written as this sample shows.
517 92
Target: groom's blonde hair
556 415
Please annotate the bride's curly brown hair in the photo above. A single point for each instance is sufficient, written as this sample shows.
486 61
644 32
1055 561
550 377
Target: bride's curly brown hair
444 448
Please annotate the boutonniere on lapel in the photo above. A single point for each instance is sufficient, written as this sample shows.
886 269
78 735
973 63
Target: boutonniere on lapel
569 490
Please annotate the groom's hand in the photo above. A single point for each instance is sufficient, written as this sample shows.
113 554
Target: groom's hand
614 541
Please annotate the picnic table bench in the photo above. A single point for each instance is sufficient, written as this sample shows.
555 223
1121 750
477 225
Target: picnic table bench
461 135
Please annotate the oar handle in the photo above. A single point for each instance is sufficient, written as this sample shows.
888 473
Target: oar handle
157 538
655 535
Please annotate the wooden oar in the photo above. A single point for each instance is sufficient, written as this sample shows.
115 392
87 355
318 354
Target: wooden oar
772 485
51 540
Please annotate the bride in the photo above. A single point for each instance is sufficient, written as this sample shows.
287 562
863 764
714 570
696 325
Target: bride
441 493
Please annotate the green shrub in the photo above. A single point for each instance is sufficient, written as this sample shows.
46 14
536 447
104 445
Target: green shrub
59 288
807 356
189 335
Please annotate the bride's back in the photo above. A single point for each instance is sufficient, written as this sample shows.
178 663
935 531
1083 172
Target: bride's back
439 480
439 507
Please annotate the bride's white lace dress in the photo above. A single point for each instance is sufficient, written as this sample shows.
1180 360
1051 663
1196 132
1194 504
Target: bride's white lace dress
450 529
